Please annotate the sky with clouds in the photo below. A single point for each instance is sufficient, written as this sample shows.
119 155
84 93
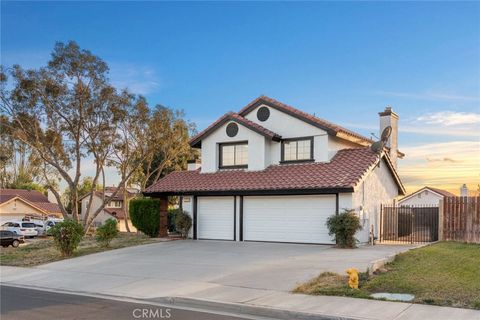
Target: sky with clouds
342 61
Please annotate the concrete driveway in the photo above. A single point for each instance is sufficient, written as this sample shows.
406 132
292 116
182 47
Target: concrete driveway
232 271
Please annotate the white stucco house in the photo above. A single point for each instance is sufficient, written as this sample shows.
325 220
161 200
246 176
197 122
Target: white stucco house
114 209
271 172
426 196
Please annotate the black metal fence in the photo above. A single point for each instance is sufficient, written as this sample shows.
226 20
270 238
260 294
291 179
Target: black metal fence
408 224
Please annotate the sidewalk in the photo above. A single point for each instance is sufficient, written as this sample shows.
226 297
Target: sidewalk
266 303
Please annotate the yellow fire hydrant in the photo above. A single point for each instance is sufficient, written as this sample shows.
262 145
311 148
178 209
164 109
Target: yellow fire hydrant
352 278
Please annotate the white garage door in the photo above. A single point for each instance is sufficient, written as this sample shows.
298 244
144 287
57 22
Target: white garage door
288 218
215 218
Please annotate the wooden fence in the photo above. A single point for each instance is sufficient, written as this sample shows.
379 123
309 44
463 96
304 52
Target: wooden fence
460 218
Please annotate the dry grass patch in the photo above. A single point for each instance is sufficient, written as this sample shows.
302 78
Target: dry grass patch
329 284
444 274
43 250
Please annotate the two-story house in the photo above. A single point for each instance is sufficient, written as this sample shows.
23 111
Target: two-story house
274 173
114 209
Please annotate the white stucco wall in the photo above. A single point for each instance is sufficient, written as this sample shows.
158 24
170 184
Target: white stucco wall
345 201
425 197
96 203
256 148
290 127
101 218
284 124
377 188
335 144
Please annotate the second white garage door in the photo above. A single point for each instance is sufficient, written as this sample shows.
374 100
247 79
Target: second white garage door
288 218
215 218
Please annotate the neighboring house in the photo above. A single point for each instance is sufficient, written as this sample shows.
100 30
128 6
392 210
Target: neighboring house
274 173
114 209
426 196
15 204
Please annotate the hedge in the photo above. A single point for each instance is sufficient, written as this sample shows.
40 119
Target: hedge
145 215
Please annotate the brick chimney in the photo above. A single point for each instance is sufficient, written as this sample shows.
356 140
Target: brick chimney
390 118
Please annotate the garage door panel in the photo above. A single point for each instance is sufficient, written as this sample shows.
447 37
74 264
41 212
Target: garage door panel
288 218
215 218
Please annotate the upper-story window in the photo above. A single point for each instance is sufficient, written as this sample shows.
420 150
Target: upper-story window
233 155
299 149
115 204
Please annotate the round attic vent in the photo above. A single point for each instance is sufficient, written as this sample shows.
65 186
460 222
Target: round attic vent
263 114
232 129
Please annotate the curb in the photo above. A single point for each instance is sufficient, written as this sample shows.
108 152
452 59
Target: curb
246 309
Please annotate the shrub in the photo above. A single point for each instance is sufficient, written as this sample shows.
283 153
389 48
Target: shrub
145 215
106 232
67 236
183 222
343 227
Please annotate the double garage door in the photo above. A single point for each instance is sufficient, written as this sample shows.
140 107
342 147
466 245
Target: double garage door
298 219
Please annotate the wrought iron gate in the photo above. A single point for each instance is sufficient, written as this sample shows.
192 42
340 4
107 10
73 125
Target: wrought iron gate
408 224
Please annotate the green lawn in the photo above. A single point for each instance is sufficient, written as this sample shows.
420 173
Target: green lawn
43 250
446 273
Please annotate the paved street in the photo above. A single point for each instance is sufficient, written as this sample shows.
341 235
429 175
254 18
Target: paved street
26 304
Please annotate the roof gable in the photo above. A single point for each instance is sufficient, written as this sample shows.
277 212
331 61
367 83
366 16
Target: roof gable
439 192
330 128
30 195
43 207
196 141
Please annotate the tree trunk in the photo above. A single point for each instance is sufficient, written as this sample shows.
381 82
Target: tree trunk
125 206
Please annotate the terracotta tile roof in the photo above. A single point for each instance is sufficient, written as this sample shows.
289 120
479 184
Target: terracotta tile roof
232 116
344 171
29 195
331 128
6 197
115 212
109 191
48 207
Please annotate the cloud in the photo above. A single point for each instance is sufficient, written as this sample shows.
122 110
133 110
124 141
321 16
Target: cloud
450 118
429 96
438 131
441 160
137 79
432 164
421 129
